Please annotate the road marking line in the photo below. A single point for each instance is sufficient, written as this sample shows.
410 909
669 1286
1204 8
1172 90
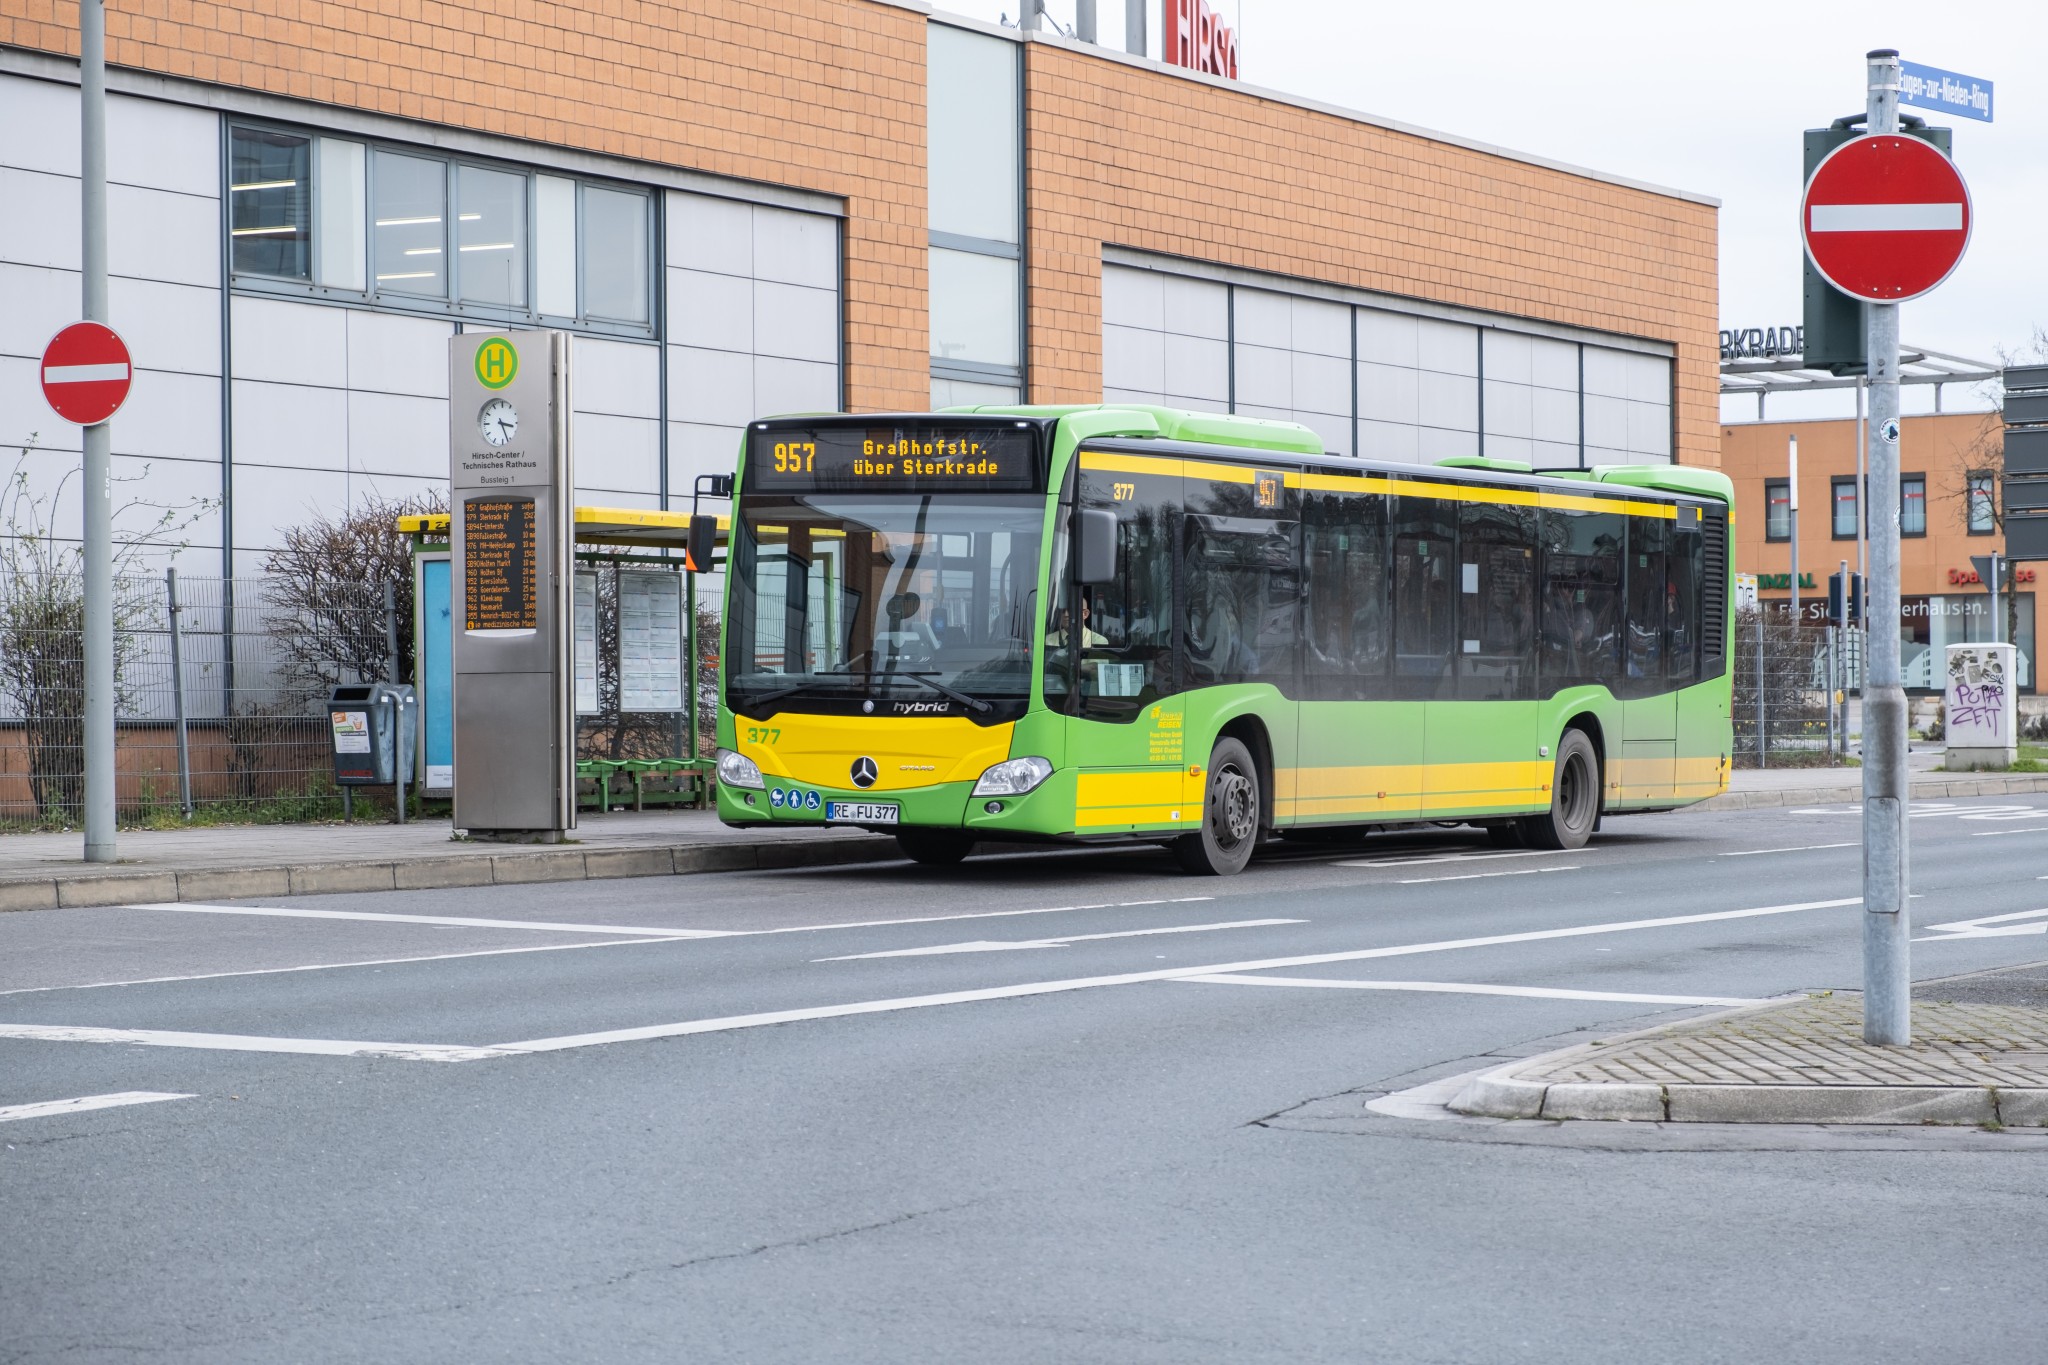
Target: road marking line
1989 926
1796 848
1462 988
1008 945
236 1042
1474 876
978 914
457 921
337 966
1994 833
52 1108
909 1002
1466 857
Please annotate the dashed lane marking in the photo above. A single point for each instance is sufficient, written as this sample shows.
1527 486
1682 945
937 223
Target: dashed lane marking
238 1042
454 921
1011 945
1475 876
1467 857
55 1108
1796 848
1463 988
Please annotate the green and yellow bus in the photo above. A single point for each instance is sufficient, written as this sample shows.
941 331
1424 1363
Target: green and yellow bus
1136 624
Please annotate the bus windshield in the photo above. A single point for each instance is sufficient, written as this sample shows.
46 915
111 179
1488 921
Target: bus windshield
902 598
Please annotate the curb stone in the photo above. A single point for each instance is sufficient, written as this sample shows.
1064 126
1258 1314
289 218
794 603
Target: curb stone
1501 1094
2016 784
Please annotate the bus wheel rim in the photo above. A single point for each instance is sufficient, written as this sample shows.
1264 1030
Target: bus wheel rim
1235 816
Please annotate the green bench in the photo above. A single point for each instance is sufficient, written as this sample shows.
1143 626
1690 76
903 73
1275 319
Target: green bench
690 787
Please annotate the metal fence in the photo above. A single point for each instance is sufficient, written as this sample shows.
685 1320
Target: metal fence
1793 689
220 694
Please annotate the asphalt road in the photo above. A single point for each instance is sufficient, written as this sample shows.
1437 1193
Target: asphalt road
1057 1107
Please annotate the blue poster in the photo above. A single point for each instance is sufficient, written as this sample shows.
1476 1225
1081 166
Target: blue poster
1932 88
437 674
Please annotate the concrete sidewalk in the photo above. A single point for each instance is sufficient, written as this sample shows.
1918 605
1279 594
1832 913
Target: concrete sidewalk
43 871
1979 1056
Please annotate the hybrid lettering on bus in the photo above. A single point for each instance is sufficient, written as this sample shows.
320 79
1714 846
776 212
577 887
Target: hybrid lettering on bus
1116 624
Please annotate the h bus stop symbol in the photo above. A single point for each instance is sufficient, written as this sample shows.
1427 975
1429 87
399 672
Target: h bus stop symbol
497 363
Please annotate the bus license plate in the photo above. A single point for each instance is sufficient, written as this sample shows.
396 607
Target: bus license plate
861 812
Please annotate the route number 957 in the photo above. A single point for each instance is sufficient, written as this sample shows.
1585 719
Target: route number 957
795 457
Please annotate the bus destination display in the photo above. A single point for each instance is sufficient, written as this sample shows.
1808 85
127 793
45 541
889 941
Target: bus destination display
500 590
895 459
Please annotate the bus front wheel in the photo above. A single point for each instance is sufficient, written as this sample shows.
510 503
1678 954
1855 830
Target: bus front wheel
1574 797
1230 815
934 847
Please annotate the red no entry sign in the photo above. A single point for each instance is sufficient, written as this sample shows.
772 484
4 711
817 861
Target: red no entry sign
86 373
1886 217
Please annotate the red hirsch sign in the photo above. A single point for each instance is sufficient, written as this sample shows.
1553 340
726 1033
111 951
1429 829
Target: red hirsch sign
1197 39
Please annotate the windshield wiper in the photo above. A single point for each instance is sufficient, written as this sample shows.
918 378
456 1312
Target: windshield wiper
928 678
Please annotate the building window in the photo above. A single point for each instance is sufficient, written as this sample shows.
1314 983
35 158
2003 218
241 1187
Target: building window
975 217
1777 509
490 236
270 204
1842 498
1913 505
410 218
1983 504
422 232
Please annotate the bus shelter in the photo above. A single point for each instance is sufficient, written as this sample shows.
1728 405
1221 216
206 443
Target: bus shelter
637 656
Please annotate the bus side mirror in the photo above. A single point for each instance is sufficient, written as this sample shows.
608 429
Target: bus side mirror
703 540
1098 546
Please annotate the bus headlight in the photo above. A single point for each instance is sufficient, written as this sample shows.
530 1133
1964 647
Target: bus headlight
1013 778
737 770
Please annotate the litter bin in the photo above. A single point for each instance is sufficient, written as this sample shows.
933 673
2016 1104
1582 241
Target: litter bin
372 726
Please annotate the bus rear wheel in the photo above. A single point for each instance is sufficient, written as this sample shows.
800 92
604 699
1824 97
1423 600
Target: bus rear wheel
1574 797
934 847
1230 815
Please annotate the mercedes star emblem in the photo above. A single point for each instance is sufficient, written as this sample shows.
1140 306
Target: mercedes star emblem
864 773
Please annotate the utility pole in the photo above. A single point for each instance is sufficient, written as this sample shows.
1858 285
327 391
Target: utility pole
1887 932
97 493
1792 490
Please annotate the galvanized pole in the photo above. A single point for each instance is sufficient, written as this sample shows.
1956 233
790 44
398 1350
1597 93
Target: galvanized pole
1762 713
1887 968
98 493
1792 496
1134 27
1084 20
391 634
178 695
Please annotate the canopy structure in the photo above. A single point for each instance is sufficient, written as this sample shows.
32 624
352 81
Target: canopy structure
633 528
1916 366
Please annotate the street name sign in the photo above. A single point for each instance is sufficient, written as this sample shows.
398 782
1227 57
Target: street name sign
86 373
1951 92
1885 218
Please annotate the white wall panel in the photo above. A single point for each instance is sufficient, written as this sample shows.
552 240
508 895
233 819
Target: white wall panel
710 234
1447 401
617 453
1335 430
392 433
714 388
177 486
616 377
1435 443
1135 298
1388 393
35 303
712 311
171 415
290 425
154 235
161 146
794 386
24 413
1389 441
1139 397
1649 379
1554 364
795 322
1508 411
1649 430
1555 455
166 326
1133 359
1265 377
1506 355
267 499
1197 368
1387 338
1446 347
1322 328
393 353
1263 318
1606 372
40 224
1195 308
26 104
288 342
1322 383
1606 418
363 487
1555 416
796 248
695 449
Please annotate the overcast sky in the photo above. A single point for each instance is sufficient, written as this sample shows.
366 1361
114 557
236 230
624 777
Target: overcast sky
1709 99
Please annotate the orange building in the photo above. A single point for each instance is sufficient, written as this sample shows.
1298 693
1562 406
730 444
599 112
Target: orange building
1948 471
740 207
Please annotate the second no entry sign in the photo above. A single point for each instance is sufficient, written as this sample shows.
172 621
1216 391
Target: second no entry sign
86 373
1885 218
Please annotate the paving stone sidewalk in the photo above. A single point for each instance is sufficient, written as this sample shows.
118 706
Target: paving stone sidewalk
1795 1061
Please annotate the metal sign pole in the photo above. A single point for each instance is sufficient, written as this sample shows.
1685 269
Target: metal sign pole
98 493
1887 972
1792 492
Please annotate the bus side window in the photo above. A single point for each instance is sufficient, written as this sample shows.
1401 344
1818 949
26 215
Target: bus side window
1649 585
1424 535
1344 651
1581 606
1682 608
1497 583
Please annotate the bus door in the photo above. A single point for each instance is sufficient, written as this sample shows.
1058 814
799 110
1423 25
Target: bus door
1483 746
1110 658
1650 707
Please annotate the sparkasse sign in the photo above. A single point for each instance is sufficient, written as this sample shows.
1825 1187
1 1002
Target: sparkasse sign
1198 40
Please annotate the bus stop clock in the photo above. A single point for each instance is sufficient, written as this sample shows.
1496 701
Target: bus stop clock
498 422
